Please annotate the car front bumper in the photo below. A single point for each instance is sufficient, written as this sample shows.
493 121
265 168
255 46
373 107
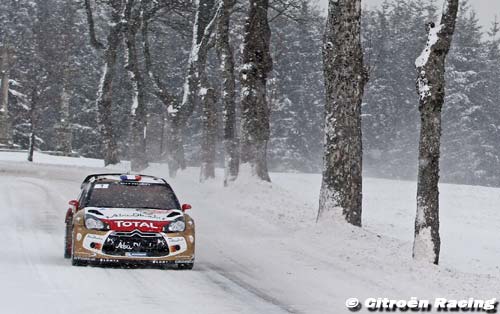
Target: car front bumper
132 249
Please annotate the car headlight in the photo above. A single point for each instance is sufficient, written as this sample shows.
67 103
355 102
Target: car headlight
95 223
177 225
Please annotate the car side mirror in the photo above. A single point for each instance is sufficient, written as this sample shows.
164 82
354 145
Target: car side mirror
185 207
74 204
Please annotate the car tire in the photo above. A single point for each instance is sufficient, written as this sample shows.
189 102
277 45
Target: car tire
68 241
75 262
185 266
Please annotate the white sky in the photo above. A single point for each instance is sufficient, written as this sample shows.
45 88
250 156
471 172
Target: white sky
486 9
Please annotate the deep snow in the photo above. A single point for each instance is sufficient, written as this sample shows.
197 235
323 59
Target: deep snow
259 249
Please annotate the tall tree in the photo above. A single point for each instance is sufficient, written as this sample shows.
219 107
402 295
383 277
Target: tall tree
208 104
179 112
345 79
257 63
67 42
105 91
226 59
5 64
137 144
431 89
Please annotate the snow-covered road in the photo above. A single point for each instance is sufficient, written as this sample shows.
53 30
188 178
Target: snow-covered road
258 250
36 279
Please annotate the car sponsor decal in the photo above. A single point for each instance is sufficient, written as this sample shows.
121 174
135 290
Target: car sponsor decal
134 214
141 225
101 186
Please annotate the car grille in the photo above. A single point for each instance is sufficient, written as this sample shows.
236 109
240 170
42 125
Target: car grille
135 244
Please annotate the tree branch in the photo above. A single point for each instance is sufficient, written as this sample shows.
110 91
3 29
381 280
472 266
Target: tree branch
90 21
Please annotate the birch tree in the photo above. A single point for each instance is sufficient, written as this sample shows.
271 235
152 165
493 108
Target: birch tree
431 89
257 63
345 78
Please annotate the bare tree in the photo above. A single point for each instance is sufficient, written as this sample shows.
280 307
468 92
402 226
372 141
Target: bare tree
63 126
5 127
257 63
138 130
208 101
209 137
34 97
345 79
105 92
226 58
179 112
431 89
159 88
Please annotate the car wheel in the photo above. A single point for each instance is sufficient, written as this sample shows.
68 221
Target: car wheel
68 241
185 266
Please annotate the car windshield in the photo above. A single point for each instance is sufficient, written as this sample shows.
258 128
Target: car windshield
132 195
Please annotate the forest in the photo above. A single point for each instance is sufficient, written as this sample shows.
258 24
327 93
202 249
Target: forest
56 66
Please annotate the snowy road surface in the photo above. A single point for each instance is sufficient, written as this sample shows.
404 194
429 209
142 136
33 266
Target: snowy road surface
258 248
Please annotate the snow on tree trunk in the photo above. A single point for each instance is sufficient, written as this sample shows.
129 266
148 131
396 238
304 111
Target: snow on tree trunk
257 63
431 89
5 127
179 113
209 139
137 144
226 58
345 79
105 91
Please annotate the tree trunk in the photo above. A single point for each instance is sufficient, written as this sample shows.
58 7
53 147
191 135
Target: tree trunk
105 92
161 92
226 58
257 63
32 119
5 127
63 128
179 113
209 139
345 79
431 89
137 151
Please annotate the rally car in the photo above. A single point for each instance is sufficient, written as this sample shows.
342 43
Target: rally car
123 219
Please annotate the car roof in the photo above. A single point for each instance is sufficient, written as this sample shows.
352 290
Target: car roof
116 177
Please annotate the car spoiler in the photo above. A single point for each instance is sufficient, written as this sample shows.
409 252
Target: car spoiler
97 175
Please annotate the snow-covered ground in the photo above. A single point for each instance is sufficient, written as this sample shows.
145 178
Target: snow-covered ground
259 249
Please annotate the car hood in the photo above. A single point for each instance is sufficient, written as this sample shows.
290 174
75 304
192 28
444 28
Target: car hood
129 219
